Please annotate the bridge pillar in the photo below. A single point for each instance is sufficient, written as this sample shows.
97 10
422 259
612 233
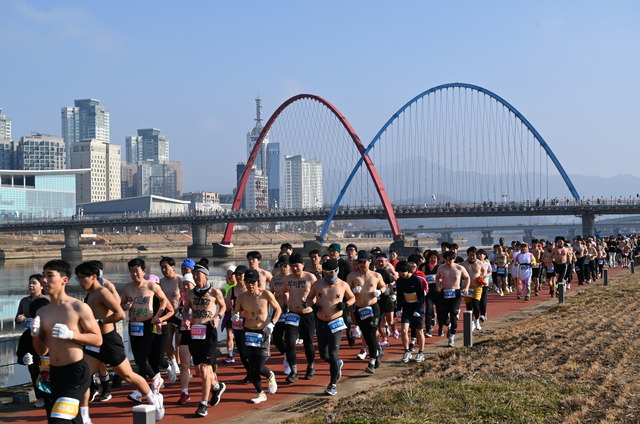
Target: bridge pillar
487 238
404 247
446 236
588 225
199 248
528 235
71 252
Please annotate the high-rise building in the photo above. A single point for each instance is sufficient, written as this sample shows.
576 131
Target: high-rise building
103 182
40 152
87 120
147 146
256 193
268 159
302 183
146 178
5 127
7 154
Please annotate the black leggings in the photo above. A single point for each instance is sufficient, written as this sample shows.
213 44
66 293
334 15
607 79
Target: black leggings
305 330
474 306
369 328
449 309
237 336
258 369
329 347
430 302
483 301
141 349
278 337
157 357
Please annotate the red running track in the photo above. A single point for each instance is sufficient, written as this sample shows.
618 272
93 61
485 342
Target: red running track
235 401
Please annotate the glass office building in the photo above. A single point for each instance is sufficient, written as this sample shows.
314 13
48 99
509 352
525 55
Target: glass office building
38 194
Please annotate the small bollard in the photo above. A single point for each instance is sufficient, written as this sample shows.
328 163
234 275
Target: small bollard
633 267
144 414
468 328
606 276
561 286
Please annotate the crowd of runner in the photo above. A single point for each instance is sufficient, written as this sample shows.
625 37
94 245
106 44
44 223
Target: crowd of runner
174 322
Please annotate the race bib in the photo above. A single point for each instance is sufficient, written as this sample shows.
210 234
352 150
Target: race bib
550 270
600 261
587 261
366 312
524 267
136 329
431 278
411 297
27 323
65 408
198 332
292 319
237 325
45 363
93 349
337 325
501 271
253 339
449 294
282 317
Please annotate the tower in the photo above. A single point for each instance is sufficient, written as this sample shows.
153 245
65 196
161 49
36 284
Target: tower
87 120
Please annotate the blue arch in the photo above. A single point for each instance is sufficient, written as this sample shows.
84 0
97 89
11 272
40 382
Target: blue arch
524 120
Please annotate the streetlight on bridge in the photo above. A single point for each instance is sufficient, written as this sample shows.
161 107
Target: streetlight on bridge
504 197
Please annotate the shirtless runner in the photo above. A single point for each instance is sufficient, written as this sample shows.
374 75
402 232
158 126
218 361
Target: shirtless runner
299 321
448 284
60 330
170 283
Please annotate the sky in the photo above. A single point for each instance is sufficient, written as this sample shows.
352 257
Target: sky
193 69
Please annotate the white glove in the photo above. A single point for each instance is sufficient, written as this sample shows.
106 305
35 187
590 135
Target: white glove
27 359
416 314
35 326
376 293
61 331
235 317
393 297
268 329
357 289
387 291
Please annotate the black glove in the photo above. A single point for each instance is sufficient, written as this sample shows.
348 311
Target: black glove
341 306
285 308
304 304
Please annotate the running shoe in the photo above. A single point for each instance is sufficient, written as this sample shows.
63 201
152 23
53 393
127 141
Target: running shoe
311 371
135 396
273 384
483 318
356 332
202 410
299 341
440 332
94 395
159 404
331 390
104 397
229 360
184 398
246 380
216 395
396 334
340 364
406 357
172 375
429 334
526 298
292 378
501 293
157 383
419 357
412 347
260 397
39 403
287 368
451 340
362 355
384 342
370 369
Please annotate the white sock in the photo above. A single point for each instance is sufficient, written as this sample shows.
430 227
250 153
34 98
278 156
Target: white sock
151 398
174 365
84 413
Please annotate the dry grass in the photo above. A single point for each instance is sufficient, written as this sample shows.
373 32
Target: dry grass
576 363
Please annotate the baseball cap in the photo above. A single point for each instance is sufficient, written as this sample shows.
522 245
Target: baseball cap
330 265
363 255
251 275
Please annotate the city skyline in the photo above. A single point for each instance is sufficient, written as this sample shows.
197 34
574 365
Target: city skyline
569 68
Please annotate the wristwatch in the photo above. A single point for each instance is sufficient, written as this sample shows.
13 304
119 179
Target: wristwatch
219 316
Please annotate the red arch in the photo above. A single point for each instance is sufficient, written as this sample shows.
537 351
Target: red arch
391 217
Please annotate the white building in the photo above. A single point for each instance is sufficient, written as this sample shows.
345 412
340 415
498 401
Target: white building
5 126
302 183
41 152
103 182
256 194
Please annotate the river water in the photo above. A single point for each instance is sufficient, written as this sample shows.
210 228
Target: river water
14 276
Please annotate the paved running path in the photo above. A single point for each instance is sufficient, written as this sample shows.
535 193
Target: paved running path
235 401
